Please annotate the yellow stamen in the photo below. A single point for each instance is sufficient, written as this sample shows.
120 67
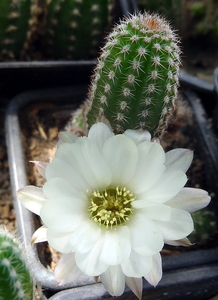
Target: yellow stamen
111 207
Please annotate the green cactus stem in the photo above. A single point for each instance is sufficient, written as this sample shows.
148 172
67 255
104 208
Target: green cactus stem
14 24
74 28
15 280
135 82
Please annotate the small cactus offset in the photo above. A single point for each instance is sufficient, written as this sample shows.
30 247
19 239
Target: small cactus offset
15 280
14 18
74 28
135 82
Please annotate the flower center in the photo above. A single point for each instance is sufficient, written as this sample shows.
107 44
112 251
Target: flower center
112 206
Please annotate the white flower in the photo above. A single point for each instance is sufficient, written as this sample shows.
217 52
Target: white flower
110 203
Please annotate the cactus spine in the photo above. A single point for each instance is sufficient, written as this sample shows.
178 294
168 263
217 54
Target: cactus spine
74 28
15 280
136 78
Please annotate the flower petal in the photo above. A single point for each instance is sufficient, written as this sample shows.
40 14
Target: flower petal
59 241
99 133
59 189
179 225
179 159
67 270
89 262
155 274
61 218
166 187
66 208
32 198
146 238
138 136
183 242
113 280
116 247
84 237
85 158
66 137
121 155
155 212
40 235
150 166
190 199
135 284
40 166
137 265
59 168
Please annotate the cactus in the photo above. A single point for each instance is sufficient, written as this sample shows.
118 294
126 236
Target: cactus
135 81
14 17
74 28
32 48
15 280
20 25
55 29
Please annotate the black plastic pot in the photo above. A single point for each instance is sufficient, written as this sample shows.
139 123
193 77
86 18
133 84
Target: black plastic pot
204 89
17 77
191 275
